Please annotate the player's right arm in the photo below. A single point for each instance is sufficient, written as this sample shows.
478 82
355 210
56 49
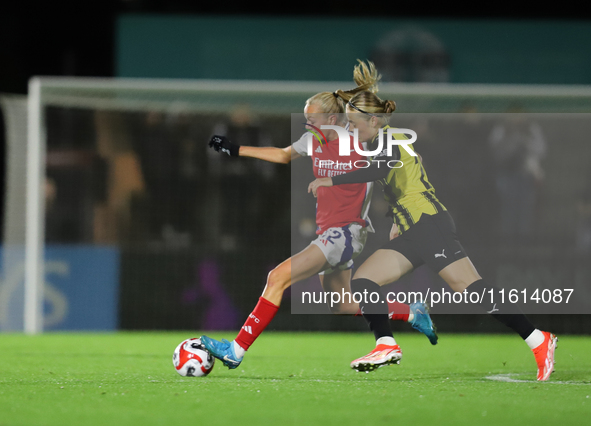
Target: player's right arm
266 153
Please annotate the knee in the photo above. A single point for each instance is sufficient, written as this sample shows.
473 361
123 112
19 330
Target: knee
459 285
460 274
278 279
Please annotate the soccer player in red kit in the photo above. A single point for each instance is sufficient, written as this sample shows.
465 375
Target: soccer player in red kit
342 225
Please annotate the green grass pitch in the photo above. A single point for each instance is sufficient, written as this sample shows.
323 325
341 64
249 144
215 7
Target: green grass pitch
289 379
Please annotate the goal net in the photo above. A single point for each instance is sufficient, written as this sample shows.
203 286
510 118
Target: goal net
118 215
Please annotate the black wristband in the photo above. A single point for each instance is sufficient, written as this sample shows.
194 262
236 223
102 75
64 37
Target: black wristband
234 150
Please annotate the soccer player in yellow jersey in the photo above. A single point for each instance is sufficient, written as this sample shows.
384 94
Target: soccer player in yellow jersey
427 235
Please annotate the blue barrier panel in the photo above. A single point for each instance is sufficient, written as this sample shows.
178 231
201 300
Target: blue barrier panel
81 289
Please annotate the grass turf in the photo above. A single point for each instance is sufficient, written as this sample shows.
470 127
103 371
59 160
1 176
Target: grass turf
289 378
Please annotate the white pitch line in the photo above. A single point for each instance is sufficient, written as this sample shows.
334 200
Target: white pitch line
508 379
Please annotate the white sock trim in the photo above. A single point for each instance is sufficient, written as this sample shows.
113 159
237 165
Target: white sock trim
535 339
386 340
238 350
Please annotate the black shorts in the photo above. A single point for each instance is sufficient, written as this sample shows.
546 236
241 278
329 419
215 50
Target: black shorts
432 241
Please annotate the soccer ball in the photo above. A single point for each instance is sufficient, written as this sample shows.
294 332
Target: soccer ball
190 358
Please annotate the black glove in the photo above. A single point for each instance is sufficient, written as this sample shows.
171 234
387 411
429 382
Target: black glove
223 144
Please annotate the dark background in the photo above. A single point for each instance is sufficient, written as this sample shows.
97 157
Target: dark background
77 39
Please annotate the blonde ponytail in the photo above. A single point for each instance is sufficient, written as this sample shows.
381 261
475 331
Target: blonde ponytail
365 76
389 107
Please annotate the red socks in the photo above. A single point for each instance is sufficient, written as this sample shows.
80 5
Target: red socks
396 311
257 321
265 311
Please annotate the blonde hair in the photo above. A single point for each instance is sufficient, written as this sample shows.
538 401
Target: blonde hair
365 76
370 105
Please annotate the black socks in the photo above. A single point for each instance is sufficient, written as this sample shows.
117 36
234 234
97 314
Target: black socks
373 306
508 313
375 309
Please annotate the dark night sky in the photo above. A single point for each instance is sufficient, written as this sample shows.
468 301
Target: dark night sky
67 38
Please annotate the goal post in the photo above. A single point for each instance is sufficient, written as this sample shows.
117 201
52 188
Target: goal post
35 211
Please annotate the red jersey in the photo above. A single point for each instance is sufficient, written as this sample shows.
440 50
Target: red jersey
337 206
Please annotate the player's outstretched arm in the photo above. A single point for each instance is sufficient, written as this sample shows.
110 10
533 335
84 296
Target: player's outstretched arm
267 153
